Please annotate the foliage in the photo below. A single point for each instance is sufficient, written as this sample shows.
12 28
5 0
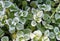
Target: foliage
34 20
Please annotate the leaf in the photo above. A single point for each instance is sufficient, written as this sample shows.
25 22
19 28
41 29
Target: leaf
22 20
1 32
58 36
33 4
46 16
51 35
9 21
48 2
41 28
20 33
47 26
56 30
11 29
24 4
19 26
1 6
26 36
2 9
46 33
29 16
27 31
57 16
25 13
33 23
13 8
5 38
58 9
53 39
7 4
39 1
15 21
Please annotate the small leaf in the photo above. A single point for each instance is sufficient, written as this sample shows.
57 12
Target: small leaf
58 36
19 26
57 16
51 35
7 4
24 4
33 4
41 28
11 29
46 33
22 20
27 31
1 32
26 36
5 38
56 30
20 33
33 23
39 1
48 26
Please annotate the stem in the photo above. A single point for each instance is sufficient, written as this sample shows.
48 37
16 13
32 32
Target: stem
54 12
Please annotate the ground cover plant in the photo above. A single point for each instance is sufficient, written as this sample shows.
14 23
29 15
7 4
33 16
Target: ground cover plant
29 20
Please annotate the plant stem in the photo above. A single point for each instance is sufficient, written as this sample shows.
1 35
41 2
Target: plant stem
54 12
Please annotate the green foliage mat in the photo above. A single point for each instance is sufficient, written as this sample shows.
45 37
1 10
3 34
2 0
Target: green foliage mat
29 20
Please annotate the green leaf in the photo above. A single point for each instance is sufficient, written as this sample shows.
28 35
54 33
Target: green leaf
22 20
33 4
19 26
1 32
25 13
29 17
51 35
7 4
1 24
9 21
48 2
33 23
20 33
57 16
13 8
26 36
24 4
15 21
53 39
58 9
56 30
47 26
1 8
27 31
41 28
46 33
46 16
45 7
11 29
39 1
5 38
58 36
